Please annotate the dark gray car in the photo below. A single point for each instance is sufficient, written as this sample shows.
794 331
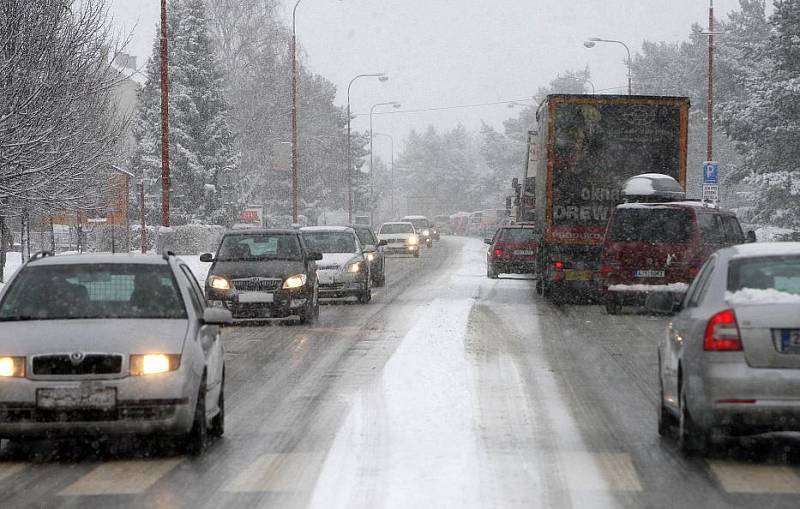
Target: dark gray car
377 258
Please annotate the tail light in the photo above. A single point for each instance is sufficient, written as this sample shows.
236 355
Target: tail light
722 333
498 250
558 265
605 270
692 271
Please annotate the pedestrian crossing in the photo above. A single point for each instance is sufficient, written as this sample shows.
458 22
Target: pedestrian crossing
298 472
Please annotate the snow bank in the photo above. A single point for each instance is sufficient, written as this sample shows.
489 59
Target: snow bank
13 262
672 287
752 296
772 233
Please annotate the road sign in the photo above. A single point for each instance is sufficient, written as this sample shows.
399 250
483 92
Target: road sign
711 193
711 173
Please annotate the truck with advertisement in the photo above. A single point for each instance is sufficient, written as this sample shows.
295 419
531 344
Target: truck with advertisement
586 147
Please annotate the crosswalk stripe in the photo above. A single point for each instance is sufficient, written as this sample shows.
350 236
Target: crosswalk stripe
121 477
605 471
745 478
278 472
9 469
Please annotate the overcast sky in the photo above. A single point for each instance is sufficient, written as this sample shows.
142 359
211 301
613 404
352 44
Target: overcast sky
456 52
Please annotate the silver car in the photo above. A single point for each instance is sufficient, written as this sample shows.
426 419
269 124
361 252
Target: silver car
730 361
109 345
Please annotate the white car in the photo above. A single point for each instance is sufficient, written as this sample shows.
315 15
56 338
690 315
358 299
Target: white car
344 270
400 237
108 345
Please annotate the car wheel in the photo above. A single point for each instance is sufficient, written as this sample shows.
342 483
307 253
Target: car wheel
490 272
416 253
311 311
613 306
665 418
218 422
197 439
380 281
692 439
366 295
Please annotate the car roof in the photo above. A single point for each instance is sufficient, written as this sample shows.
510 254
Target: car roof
415 217
688 204
262 231
519 225
327 229
397 222
99 258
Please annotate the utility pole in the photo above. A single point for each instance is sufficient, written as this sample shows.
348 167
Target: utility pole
295 154
165 182
710 101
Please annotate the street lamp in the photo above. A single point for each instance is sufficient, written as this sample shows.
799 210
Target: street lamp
590 43
165 181
391 140
395 105
383 78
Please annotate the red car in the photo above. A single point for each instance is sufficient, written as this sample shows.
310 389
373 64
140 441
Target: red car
513 250
651 247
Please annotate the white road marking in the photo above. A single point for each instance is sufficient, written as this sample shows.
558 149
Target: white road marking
294 472
605 471
745 478
121 477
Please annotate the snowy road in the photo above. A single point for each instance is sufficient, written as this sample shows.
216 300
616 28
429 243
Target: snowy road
448 390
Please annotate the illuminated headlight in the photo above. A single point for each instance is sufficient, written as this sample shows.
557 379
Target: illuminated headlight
425 233
219 283
296 281
153 363
413 240
370 256
12 367
354 267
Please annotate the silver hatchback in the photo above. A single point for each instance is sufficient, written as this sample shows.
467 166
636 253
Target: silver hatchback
109 345
730 361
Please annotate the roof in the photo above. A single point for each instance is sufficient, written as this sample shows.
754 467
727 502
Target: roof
262 231
757 249
396 222
100 258
326 229
519 225
414 217
673 204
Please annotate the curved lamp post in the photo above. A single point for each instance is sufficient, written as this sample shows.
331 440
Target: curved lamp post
591 42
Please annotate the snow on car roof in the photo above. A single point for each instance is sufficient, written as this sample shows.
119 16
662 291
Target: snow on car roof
101 258
652 184
415 217
397 222
667 205
326 229
766 249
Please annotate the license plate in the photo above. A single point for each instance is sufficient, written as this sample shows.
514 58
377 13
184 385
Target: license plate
790 340
256 297
325 279
523 252
85 396
578 275
649 273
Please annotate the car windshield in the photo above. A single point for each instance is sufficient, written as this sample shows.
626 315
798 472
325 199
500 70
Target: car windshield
780 273
651 225
76 291
419 224
397 228
330 241
259 247
517 234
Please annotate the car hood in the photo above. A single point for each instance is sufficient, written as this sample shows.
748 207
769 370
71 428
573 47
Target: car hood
335 261
102 335
278 269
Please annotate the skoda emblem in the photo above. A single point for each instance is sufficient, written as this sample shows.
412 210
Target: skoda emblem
76 358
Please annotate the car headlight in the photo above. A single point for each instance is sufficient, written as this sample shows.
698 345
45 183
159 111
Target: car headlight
413 240
153 363
219 283
354 267
12 367
425 233
296 281
371 256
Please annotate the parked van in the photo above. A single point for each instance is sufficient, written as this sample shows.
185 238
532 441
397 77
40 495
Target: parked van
660 247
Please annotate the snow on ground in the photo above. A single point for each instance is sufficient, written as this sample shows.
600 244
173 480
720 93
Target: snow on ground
13 261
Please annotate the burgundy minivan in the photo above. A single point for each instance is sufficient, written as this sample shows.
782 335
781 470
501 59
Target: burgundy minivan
660 247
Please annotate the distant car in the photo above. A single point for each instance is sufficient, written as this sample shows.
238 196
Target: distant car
377 259
443 225
400 237
658 246
423 227
267 273
343 270
98 345
729 362
512 250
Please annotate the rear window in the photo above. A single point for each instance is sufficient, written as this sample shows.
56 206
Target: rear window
653 225
778 273
61 292
517 234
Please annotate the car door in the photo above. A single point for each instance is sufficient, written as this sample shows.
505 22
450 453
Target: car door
209 338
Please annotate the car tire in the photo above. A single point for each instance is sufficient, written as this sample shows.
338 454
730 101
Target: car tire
490 272
692 439
196 440
366 295
380 281
416 253
666 421
613 306
217 428
311 312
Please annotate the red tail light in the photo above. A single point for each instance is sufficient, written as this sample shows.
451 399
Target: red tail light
693 271
722 333
558 265
498 252
605 270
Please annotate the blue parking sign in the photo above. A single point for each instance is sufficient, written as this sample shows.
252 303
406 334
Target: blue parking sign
711 172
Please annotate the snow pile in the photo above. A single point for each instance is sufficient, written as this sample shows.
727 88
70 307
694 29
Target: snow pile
190 238
13 262
772 233
672 287
754 296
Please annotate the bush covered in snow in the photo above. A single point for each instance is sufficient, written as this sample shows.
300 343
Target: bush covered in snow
189 239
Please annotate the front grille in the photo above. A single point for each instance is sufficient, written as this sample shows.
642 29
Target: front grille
333 286
92 364
256 284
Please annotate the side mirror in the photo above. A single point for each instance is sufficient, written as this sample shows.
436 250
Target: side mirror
382 243
207 257
217 316
314 256
487 241
751 237
661 303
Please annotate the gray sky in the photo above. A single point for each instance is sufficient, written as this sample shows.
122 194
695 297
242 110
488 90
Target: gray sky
455 52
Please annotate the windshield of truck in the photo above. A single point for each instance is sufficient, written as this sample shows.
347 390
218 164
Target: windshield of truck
390 228
330 242
652 225
259 247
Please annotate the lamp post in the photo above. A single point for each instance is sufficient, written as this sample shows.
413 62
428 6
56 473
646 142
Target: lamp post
295 155
381 77
391 141
395 105
165 181
591 42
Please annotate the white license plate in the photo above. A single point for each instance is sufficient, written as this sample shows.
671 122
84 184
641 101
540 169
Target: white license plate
649 273
256 297
523 252
64 398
